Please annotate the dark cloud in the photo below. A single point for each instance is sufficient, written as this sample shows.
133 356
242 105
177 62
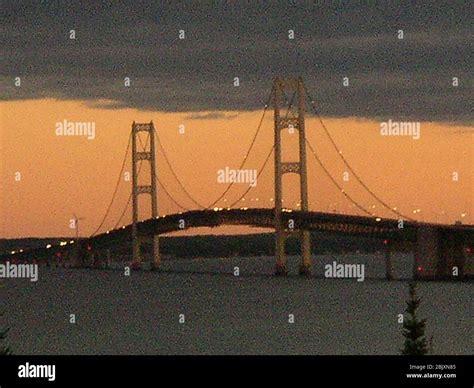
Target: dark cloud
389 78
211 116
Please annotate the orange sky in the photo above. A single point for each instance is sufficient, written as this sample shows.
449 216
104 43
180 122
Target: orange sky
65 175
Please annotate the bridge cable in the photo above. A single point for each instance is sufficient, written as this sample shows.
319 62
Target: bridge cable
290 104
131 192
174 173
258 175
116 187
159 182
162 185
249 150
169 195
339 152
242 164
360 207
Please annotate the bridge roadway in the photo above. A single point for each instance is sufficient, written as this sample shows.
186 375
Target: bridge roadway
261 217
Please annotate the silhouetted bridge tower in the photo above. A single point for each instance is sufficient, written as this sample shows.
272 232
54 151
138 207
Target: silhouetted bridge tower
291 121
435 248
439 251
150 189
294 119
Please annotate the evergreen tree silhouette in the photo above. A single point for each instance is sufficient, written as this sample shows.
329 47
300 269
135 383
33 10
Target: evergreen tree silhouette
414 328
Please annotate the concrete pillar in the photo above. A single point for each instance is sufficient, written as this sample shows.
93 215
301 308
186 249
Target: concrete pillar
388 261
426 258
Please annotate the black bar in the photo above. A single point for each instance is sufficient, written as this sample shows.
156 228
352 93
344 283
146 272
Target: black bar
242 371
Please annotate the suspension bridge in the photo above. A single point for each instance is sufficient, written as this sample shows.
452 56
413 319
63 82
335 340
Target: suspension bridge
438 249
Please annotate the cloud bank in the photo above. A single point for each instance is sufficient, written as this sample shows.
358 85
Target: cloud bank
409 78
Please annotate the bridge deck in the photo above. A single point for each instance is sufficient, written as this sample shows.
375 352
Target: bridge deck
260 217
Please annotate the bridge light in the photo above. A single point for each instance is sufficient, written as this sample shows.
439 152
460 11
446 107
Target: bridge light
378 219
463 215
71 242
13 252
21 250
62 243
48 246
216 209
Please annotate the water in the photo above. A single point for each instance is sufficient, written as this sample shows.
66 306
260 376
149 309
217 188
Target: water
226 314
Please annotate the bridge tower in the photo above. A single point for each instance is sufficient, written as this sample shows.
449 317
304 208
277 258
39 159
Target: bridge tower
294 120
137 189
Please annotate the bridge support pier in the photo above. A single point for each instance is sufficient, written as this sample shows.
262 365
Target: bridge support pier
77 254
294 119
426 254
305 267
439 254
138 156
156 253
388 262
280 267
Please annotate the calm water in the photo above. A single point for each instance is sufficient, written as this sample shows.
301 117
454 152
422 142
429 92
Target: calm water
226 314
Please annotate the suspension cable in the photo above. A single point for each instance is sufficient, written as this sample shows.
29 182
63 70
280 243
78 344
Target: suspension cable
248 152
174 173
258 175
360 207
290 104
159 182
116 187
131 192
241 165
339 152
